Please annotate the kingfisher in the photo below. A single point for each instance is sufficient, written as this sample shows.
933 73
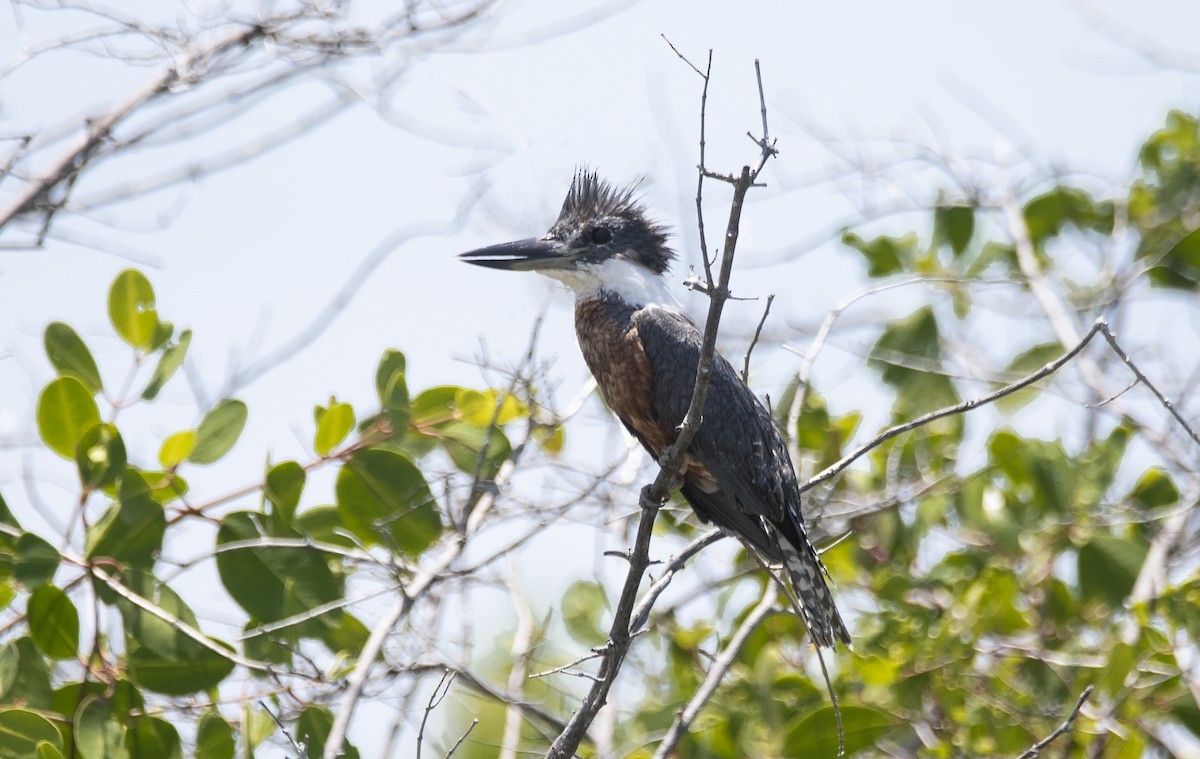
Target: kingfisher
644 353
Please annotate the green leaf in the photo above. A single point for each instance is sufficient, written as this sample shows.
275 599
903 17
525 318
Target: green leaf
1108 567
168 363
131 531
154 737
284 484
37 561
132 310
1047 214
100 730
21 732
435 405
218 431
470 446
381 493
272 583
954 225
390 364
1026 363
815 735
24 675
392 388
214 737
176 448
348 637
885 255
1154 490
480 409
583 608
312 728
909 357
47 751
100 456
161 657
70 356
65 410
333 425
53 623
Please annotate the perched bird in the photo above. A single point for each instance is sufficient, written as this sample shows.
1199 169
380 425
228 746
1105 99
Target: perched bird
644 352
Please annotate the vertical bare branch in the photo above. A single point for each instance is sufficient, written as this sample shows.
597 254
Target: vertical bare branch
670 462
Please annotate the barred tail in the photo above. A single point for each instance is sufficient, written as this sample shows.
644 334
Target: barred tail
807 575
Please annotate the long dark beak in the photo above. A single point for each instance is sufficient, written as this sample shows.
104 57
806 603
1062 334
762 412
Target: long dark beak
522 255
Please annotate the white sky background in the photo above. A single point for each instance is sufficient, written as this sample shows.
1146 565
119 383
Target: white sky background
252 253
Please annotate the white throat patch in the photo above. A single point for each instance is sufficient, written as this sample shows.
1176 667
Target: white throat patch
632 283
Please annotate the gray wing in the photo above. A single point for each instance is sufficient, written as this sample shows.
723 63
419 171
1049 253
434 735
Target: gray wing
737 441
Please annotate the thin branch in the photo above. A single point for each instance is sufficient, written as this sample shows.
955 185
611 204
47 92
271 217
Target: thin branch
705 692
1036 749
1141 377
754 340
440 691
642 612
459 742
1050 368
97 130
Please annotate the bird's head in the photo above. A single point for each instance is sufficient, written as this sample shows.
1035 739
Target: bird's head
602 234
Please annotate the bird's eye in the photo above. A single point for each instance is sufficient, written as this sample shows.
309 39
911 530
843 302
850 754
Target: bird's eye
601 235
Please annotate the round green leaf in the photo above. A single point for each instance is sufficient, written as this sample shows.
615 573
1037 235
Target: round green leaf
151 736
100 456
131 309
131 531
382 497
475 449
37 561
24 675
214 737
21 732
218 431
284 484
333 426
53 623
816 734
312 729
100 730
65 410
1108 567
70 356
583 608
275 582
162 658
176 448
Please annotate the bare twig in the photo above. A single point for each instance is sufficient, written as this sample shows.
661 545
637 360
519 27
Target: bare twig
754 340
98 129
720 666
462 738
440 691
1036 748
837 468
642 612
